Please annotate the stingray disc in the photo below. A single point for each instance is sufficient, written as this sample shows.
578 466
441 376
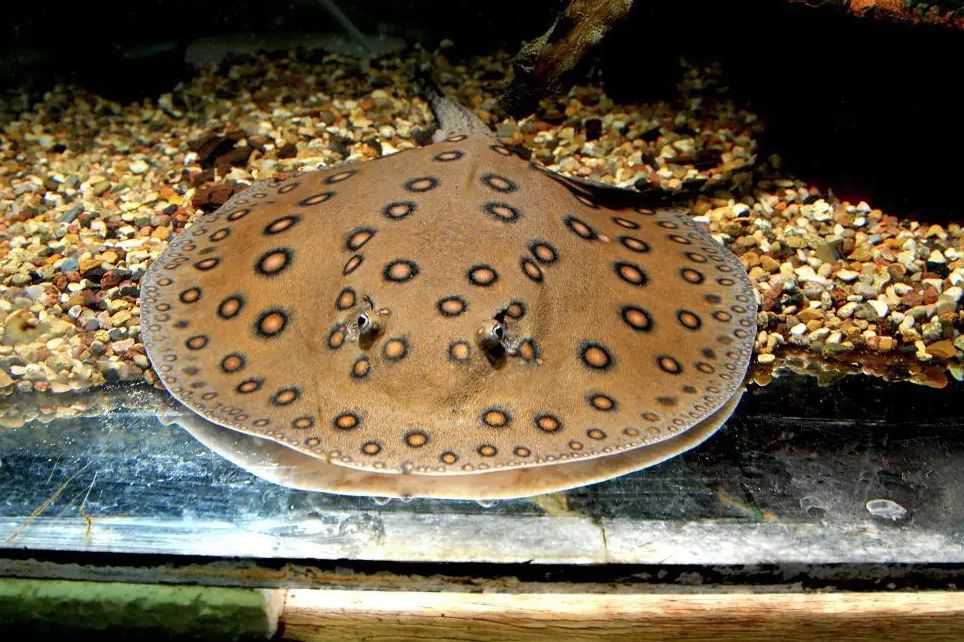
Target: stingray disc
444 311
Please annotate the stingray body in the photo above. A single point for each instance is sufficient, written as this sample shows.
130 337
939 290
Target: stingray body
450 321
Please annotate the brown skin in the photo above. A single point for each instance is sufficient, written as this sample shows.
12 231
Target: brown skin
637 325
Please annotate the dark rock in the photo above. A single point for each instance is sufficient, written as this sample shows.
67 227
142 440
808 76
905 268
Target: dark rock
288 150
593 128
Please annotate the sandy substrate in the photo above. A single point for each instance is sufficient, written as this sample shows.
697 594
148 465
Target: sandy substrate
91 191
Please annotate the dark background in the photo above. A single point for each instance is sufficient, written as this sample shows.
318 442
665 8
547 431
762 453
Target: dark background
868 108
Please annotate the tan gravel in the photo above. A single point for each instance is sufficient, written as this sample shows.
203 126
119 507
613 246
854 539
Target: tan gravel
91 191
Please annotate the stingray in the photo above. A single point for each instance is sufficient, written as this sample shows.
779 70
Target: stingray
451 321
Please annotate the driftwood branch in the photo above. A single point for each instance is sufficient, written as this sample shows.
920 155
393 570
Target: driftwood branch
947 13
543 65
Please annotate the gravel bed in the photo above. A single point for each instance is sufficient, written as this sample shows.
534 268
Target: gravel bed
92 190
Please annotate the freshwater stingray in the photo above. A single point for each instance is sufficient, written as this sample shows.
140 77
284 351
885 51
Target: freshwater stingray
450 321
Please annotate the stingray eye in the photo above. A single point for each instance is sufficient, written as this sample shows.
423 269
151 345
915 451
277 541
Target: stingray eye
362 321
499 332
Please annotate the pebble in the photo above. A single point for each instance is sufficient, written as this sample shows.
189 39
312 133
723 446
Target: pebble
139 166
847 276
87 224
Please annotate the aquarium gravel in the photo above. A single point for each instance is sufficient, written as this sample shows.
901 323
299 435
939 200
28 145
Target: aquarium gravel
92 190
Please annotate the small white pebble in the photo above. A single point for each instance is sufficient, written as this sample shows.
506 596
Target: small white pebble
847 276
880 307
846 310
766 358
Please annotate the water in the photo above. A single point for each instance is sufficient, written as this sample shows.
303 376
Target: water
114 136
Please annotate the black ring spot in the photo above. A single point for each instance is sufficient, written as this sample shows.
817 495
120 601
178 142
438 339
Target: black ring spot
637 318
483 275
220 235
634 244
499 149
336 337
274 261
528 350
233 362
357 238
395 349
689 319
397 210
722 316
190 295
346 421
668 364
488 450
601 402
286 396
207 264
694 277
290 187
346 299
531 269
361 369
197 342
580 228
669 225
304 422
630 273
237 215
696 257
315 199
495 417
340 176
499 183
515 310
281 224
248 386
271 323
678 238
595 433
595 356
352 264
400 271
370 448
451 306
547 423
544 252
460 351
231 306
625 222
421 184
449 156
502 212
416 438
456 138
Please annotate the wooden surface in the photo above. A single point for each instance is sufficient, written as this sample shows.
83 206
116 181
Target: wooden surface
335 615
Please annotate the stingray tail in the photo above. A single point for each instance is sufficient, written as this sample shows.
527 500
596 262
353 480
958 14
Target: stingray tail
453 118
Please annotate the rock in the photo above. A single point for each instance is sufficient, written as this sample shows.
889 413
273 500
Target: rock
139 166
885 344
69 265
847 276
942 349
71 214
880 307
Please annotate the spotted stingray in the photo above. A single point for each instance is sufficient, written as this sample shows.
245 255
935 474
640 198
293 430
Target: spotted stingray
451 321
